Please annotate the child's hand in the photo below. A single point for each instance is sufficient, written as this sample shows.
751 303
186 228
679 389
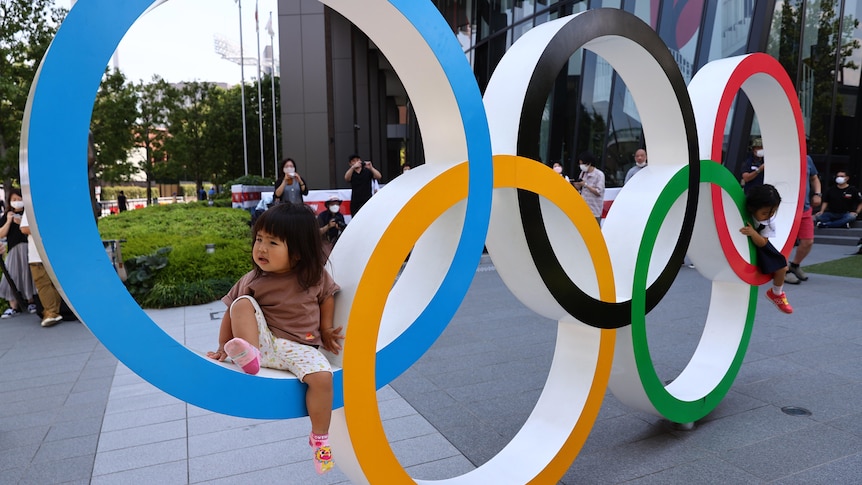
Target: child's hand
330 338
748 230
219 355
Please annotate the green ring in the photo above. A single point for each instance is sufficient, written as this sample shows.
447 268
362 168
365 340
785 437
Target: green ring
666 404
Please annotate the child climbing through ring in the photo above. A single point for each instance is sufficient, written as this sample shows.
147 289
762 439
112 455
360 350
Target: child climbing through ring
762 203
282 311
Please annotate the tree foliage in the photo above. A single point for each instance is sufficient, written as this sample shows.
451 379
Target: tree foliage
26 30
114 116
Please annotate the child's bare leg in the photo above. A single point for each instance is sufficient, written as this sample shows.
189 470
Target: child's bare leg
778 277
318 400
243 322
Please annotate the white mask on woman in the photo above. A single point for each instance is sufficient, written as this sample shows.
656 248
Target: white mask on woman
758 153
584 167
17 204
838 180
334 208
558 169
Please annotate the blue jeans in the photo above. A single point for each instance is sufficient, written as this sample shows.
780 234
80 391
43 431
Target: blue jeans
834 219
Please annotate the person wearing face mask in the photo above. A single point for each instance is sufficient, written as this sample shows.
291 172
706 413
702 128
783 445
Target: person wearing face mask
290 187
17 260
331 222
752 174
558 167
841 203
591 184
640 162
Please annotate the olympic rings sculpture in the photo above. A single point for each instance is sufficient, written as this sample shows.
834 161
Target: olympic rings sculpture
479 178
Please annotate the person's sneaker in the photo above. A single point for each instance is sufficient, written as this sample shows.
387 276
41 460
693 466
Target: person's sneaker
780 301
797 270
51 321
323 461
31 308
791 278
9 313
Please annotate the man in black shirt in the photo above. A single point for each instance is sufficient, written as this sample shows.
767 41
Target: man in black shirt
841 203
360 174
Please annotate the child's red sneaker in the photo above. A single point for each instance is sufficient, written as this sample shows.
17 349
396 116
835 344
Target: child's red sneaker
780 301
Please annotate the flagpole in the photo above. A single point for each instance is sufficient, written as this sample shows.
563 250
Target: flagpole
259 92
272 79
242 91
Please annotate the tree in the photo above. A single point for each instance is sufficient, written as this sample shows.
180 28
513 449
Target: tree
149 131
114 115
26 29
189 149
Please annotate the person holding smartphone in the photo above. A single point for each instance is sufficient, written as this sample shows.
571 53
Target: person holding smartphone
360 174
17 262
290 187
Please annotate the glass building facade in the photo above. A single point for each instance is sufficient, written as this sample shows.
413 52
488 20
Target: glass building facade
590 108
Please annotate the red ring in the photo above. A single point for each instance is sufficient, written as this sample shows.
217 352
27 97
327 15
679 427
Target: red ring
751 65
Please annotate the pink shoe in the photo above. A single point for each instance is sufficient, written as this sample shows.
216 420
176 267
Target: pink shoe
323 461
244 355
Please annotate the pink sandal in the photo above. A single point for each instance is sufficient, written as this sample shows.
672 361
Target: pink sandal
244 355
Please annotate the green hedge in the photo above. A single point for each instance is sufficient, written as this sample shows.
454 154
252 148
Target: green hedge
192 276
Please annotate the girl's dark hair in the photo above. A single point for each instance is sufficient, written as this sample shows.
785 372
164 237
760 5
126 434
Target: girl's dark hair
588 158
284 162
296 225
12 192
762 196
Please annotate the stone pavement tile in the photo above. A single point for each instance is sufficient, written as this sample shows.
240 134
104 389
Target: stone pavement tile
29 420
10 440
608 434
18 457
240 460
405 427
27 407
833 403
454 466
632 460
67 448
423 449
763 369
117 404
843 470
83 426
212 422
784 390
170 473
33 394
478 445
27 382
793 452
143 417
140 456
733 403
142 435
852 423
743 429
301 472
75 470
249 435
709 470
73 411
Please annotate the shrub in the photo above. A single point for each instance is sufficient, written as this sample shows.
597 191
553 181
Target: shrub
191 276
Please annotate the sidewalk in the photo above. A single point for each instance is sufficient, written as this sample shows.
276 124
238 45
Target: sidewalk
70 414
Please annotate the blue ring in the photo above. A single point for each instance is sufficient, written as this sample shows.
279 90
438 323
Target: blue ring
54 148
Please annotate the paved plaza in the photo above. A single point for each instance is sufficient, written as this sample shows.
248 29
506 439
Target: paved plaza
70 413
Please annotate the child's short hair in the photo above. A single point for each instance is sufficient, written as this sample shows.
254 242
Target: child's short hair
761 196
296 225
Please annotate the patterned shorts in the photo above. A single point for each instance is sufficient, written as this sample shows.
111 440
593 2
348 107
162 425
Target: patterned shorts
284 354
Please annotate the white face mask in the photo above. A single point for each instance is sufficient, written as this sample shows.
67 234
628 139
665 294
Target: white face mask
758 153
584 167
334 208
17 204
838 180
558 169
289 170
640 164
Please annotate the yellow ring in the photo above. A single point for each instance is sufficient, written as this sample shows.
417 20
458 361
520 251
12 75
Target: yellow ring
365 429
